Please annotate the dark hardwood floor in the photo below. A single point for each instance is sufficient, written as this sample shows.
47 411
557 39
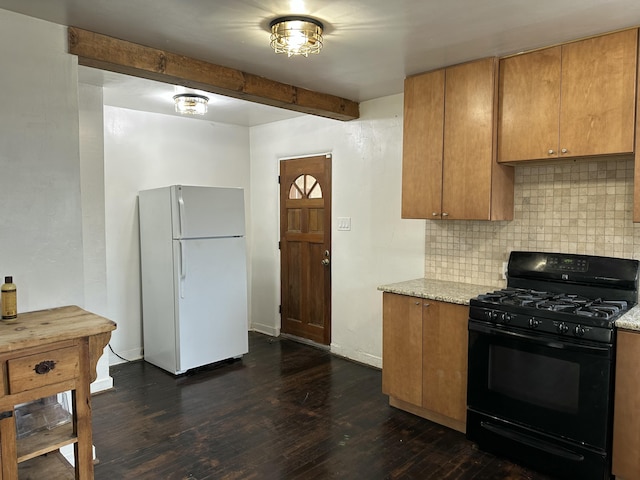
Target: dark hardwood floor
285 411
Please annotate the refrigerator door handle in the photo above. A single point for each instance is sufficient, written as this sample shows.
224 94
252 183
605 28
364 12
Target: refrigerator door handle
183 268
180 212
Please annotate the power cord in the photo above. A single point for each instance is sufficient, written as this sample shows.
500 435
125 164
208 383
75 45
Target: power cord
121 358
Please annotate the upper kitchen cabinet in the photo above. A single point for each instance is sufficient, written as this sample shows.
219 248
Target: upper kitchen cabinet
573 100
449 170
423 137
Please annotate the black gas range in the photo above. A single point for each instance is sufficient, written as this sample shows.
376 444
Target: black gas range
541 361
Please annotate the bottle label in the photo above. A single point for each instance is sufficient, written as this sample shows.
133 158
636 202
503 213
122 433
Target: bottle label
9 305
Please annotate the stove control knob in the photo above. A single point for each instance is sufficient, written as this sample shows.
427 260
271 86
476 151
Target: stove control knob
563 328
505 317
491 315
533 322
578 331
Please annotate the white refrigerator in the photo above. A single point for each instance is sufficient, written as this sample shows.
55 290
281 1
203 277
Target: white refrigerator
194 276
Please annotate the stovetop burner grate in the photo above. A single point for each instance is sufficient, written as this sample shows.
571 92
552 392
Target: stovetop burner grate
556 302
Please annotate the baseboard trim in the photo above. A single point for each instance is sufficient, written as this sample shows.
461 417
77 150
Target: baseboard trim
102 384
360 357
266 329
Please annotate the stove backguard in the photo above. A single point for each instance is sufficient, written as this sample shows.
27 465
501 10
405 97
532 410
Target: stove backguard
588 275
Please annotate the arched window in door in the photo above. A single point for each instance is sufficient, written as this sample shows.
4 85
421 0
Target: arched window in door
306 192
305 186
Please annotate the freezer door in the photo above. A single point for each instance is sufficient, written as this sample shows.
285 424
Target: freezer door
212 321
205 212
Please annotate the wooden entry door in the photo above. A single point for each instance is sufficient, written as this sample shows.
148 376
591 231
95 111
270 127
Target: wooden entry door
305 247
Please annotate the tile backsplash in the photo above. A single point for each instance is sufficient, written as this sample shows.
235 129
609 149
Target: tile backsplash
571 207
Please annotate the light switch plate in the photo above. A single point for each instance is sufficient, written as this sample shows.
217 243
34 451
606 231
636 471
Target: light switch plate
344 223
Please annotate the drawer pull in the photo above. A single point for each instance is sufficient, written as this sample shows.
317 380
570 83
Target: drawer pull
45 367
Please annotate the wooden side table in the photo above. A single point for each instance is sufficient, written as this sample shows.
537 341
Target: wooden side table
44 353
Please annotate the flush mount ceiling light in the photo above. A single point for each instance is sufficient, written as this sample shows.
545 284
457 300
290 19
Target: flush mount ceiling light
191 103
296 35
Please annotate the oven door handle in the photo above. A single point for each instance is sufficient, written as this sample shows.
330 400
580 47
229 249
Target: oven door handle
533 442
540 340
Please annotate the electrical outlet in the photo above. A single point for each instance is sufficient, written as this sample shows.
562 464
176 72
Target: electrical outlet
504 270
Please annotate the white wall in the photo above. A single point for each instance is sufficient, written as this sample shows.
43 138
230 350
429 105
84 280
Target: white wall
43 241
40 218
92 195
380 248
142 151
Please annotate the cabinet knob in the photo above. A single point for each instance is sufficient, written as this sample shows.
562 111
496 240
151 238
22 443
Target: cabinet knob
417 303
434 214
564 150
444 214
551 152
427 304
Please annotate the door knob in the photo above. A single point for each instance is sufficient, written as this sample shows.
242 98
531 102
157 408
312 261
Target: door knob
325 262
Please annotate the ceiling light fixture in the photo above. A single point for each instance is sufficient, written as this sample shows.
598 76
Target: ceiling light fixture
296 35
191 103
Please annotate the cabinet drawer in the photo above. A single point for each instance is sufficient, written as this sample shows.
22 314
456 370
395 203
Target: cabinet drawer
46 368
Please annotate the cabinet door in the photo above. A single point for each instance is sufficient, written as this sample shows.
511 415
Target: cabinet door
445 344
422 145
597 114
626 423
468 140
402 347
529 106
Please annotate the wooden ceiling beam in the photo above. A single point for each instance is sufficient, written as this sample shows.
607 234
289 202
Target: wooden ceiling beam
108 53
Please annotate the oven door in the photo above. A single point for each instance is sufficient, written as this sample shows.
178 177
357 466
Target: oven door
559 387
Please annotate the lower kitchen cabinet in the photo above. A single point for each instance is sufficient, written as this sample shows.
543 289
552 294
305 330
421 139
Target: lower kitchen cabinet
402 348
424 358
626 423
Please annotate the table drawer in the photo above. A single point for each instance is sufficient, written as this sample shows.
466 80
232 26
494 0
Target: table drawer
41 369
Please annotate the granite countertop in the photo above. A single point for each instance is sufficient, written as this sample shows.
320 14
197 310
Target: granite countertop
451 292
461 293
630 320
